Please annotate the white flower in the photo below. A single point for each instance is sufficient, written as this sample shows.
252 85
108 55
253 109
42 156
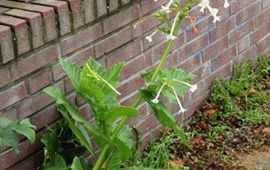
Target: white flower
182 110
205 4
226 4
193 88
155 100
167 7
149 37
171 37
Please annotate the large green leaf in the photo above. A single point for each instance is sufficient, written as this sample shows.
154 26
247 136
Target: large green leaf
76 128
100 138
76 164
110 75
72 71
122 111
8 128
60 98
24 127
164 116
57 163
9 138
171 76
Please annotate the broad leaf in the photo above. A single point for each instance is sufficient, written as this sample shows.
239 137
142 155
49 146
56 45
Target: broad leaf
57 163
61 100
164 116
122 111
8 128
76 164
77 130
24 127
73 72
9 138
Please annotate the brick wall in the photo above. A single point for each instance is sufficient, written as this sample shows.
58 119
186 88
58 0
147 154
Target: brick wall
34 33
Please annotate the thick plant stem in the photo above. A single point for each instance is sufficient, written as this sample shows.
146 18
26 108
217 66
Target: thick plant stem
102 156
104 152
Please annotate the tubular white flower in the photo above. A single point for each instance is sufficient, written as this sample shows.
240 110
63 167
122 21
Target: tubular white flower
167 7
155 100
171 36
149 37
193 87
205 4
226 4
182 110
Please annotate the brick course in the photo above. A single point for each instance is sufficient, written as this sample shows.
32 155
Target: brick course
34 33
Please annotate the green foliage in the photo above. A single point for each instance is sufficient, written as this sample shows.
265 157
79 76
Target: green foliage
9 130
158 154
60 144
96 85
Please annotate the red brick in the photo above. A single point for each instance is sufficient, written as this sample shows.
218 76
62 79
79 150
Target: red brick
158 38
259 33
34 20
101 7
202 27
79 58
262 17
143 112
10 114
223 59
124 53
6 43
238 5
112 42
148 124
265 3
77 14
4 76
263 44
89 10
222 28
122 18
124 2
81 39
240 32
246 55
31 162
215 48
113 5
39 81
45 117
150 5
194 46
12 95
47 14
61 7
144 25
131 86
191 64
137 65
10 157
248 13
34 103
224 71
21 32
37 60
243 44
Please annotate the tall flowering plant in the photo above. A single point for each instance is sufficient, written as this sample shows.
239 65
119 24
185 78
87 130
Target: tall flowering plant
98 86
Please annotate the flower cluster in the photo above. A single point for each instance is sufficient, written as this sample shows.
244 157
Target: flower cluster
192 88
204 5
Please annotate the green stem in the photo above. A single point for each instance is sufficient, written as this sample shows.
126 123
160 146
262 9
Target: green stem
137 101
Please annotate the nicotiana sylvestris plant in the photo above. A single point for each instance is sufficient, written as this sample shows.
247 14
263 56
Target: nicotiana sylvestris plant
98 86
